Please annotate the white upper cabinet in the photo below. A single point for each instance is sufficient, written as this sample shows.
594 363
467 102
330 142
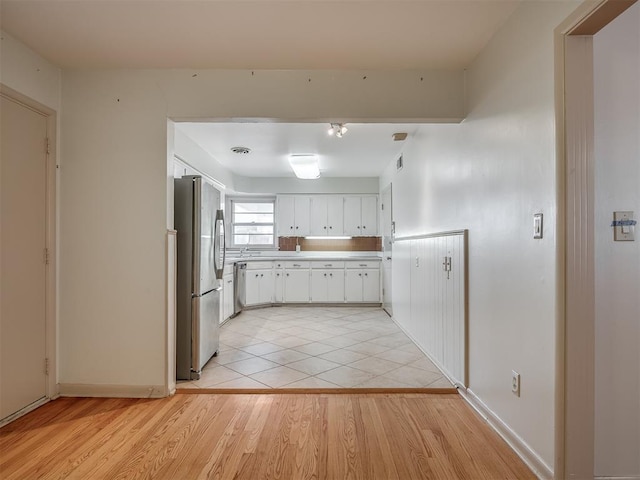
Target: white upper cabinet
361 215
327 215
369 217
330 215
292 215
285 216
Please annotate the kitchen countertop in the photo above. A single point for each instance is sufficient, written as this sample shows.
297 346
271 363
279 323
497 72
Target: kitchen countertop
307 256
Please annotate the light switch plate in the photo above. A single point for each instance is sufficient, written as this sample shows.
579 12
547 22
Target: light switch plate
537 225
624 233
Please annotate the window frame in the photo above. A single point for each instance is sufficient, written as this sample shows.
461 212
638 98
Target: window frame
231 202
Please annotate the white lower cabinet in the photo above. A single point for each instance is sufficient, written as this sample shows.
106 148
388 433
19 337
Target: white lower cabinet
304 282
327 286
278 285
259 287
296 285
362 284
227 296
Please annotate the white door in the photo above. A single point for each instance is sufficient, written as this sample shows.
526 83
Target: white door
252 287
371 286
386 219
335 286
23 176
285 216
266 286
335 215
352 216
296 286
278 286
318 224
353 285
369 216
302 210
319 280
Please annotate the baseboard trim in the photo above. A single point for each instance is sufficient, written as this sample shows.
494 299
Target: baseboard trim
517 444
324 391
113 391
632 477
20 413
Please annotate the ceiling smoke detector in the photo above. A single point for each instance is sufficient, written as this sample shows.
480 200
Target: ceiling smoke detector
241 150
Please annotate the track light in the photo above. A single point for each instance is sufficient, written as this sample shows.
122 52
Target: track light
337 129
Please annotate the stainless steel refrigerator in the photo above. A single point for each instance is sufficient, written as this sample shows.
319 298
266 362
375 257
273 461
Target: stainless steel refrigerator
200 249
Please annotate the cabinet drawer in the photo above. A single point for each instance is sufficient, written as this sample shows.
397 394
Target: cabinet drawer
367 264
328 264
293 265
259 265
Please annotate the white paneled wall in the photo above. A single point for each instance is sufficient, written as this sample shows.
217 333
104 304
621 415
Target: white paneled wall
429 302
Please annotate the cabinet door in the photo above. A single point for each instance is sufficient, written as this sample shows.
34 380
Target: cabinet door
318 216
296 286
371 286
319 279
335 215
302 207
266 286
278 286
227 293
353 285
285 216
335 286
352 216
253 287
369 216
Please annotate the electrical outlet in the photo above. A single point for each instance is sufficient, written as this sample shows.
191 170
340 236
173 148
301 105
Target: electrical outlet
515 383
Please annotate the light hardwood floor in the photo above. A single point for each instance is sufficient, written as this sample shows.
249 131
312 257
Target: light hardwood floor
286 436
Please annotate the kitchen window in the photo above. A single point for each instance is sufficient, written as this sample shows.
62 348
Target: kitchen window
252 222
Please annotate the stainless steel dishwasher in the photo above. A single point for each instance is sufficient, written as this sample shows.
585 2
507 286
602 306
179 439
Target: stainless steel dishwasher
239 287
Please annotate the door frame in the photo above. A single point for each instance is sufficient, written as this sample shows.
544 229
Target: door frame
388 307
51 243
575 309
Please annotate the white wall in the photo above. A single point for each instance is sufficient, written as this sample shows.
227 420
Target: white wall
115 192
295 185
617 176
28 73
491 174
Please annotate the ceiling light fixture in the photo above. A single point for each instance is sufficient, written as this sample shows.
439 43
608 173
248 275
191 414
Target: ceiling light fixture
337 129
305 166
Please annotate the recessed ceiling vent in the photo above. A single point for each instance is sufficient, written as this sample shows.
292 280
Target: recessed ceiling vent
241 150
399 137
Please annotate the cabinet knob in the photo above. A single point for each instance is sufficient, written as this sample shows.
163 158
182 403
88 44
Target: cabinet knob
325 227
331 274
296 228
257 275
330 228
325 274
291 227
358 226
359 274
363 226
366 274
277 274
262 274
287 274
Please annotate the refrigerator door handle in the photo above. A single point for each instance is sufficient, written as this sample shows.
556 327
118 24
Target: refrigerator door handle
219 221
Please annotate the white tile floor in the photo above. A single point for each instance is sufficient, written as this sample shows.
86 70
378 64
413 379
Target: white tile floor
317 347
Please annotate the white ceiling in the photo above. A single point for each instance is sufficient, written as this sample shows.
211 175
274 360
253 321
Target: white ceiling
364 151
256 34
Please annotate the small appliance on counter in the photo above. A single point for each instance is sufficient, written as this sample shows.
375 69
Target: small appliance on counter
200 226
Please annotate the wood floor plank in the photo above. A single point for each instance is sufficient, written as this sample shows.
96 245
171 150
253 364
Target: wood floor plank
328 436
